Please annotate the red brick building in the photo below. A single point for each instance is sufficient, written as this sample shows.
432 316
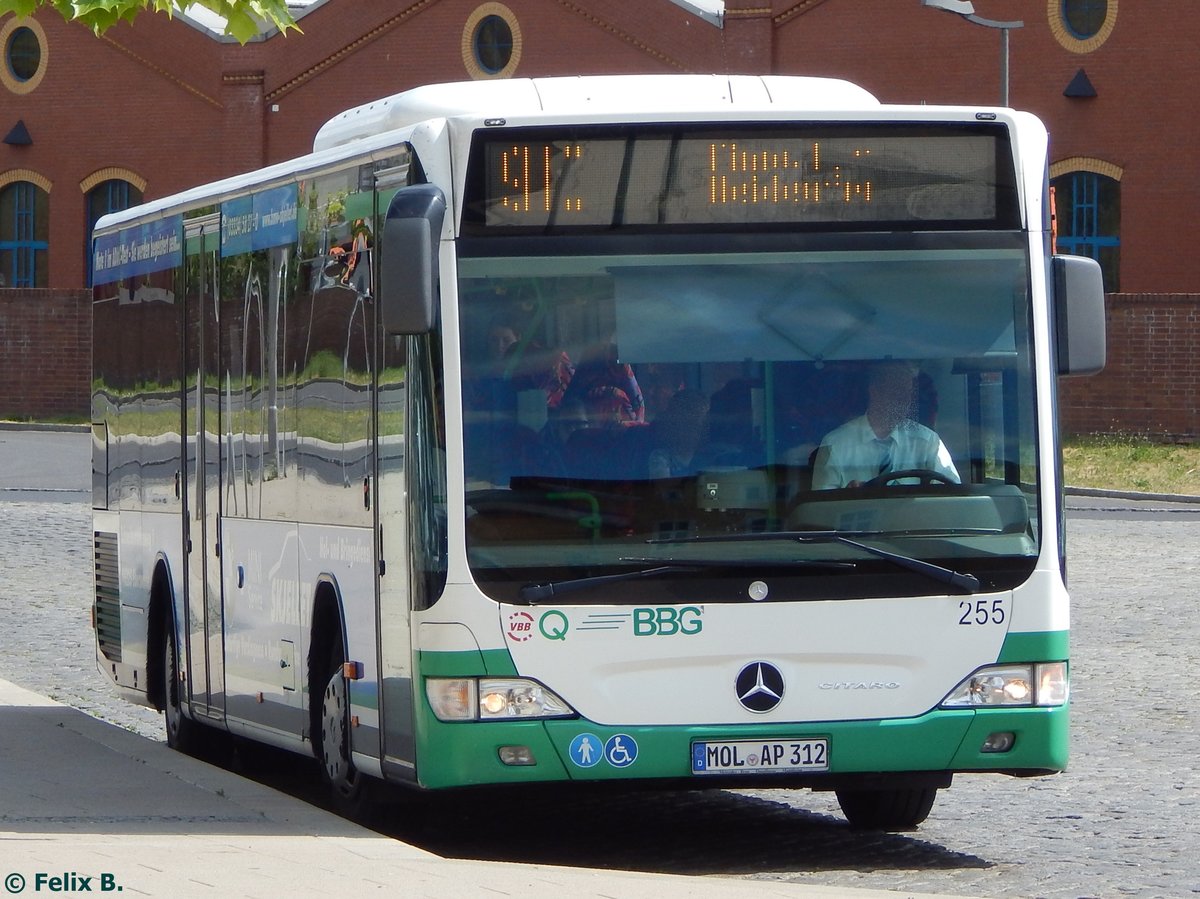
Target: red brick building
90 123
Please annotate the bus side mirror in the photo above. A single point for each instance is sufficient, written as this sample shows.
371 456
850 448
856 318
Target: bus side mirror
408 271
1078 315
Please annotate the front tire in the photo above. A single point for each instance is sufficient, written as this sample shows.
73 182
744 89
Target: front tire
896 809
351 789
183 734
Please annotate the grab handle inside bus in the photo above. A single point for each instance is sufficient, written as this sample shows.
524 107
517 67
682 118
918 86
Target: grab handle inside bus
408 282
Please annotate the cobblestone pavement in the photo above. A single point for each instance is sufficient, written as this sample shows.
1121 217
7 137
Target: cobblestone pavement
1124 821
47 643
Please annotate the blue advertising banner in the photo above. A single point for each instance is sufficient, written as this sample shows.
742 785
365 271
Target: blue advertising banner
261 220
139 250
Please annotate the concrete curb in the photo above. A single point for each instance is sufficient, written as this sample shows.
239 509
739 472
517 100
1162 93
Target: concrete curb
40 426
1132 495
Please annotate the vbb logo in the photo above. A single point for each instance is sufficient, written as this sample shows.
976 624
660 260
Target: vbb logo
520 626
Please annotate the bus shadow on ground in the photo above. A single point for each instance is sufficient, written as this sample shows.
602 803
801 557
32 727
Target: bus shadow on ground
691 832
715 832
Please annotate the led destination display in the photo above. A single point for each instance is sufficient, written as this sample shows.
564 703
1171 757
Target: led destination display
808 176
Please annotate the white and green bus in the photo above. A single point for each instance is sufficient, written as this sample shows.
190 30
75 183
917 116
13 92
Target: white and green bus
494 442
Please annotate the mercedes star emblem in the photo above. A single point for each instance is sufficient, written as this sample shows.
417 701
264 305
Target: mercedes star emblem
759 686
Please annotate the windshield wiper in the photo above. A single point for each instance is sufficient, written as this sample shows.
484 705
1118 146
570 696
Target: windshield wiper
961 580
535 593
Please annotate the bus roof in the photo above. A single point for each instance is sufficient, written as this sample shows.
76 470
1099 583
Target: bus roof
371 131
634 94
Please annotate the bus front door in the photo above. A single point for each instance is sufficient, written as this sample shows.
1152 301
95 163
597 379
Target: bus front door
203 597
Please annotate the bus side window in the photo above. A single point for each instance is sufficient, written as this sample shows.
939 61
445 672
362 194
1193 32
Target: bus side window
425 464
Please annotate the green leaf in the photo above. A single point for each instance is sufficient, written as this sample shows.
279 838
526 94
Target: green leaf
18 7
243 17
241 25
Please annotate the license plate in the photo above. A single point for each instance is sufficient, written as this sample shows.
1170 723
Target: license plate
759 756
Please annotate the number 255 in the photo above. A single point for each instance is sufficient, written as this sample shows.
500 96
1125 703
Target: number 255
979 612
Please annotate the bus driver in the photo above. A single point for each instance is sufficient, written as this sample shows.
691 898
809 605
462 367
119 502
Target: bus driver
884 439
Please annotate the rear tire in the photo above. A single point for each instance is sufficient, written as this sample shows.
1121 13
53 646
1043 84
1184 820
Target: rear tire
897 809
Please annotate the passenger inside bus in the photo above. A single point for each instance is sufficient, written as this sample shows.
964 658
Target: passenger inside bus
886 438
607 387
550 457
513 362
679 435
659 381
734 434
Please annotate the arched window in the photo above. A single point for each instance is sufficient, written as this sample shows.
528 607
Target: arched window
24 234
1088 208
107 196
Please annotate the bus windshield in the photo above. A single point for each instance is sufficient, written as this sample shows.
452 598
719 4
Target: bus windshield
683 409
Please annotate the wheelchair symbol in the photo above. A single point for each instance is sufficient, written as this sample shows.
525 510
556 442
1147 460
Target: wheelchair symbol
620 750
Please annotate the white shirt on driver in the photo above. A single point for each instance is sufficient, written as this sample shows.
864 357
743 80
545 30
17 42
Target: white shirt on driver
852 453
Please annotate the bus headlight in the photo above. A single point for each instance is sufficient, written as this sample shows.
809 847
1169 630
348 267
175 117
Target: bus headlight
1042 684
515 698
492 698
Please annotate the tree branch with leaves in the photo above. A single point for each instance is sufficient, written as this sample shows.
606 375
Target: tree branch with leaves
244 19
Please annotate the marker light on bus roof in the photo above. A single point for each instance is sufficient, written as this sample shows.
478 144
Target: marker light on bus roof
489 699
1042 684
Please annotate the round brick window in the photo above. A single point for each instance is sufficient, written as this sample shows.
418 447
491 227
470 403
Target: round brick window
491 42
1081 25
25 55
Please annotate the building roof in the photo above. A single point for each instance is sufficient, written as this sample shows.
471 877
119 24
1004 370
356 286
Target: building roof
208 20
711 11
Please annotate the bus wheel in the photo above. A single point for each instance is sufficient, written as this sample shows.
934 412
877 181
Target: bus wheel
183 734
899 809
348 785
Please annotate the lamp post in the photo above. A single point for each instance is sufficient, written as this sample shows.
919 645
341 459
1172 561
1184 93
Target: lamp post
966 9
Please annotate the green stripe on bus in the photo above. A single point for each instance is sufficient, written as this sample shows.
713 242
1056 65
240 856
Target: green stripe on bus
499 663
467 753
471 663
1039 646
450 664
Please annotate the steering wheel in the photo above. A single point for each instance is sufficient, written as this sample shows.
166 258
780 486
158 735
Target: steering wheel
923 476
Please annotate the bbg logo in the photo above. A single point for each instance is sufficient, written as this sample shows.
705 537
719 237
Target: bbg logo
667 621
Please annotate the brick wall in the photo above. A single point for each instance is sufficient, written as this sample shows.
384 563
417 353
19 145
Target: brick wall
45 354
1151 384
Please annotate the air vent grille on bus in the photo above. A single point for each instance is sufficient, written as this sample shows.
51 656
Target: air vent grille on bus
108 596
